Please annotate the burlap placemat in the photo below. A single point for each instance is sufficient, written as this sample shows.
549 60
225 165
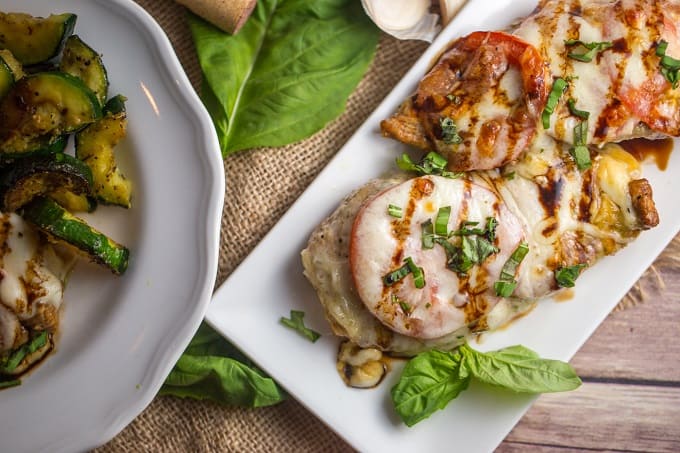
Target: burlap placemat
261 186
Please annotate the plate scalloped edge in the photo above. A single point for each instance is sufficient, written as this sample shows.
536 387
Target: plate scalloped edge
176 340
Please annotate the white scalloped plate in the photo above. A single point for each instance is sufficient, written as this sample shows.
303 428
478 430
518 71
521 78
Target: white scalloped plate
120 337
269 283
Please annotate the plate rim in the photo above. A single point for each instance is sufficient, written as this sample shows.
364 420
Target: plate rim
179 340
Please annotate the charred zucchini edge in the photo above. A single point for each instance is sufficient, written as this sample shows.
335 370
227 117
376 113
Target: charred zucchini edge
60 224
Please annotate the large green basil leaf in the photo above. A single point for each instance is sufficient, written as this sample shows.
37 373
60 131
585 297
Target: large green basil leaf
287 72
428 383
211 368
520 369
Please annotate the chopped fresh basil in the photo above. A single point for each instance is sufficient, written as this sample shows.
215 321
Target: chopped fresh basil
296 322
441 223
559 85
566 276
396 275
506 284
592 49
427 234
434 378
476 244
431 164
16 356
510 176
408 268
465 256
484 248
472 250
450 134
571 103
504 289
418 273
489 230
670 67
491 224
395 211
580 151
510 266
581 156
405 307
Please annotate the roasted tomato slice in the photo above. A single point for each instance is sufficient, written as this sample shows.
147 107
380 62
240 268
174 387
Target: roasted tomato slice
479 104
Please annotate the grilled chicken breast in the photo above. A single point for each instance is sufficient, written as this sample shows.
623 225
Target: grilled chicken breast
406 265
31 283
620 81
489 94
479 105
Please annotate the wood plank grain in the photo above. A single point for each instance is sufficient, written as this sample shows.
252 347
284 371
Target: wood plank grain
640 342
612 417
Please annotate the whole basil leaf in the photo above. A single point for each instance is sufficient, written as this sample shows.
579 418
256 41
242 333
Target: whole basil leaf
518 368
428 383
211 368
287 73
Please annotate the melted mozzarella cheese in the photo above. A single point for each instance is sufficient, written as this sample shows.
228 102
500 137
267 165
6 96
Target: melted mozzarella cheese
380 243
31 288
622 86
566 216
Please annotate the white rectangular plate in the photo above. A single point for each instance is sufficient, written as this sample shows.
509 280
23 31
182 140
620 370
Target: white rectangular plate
269 283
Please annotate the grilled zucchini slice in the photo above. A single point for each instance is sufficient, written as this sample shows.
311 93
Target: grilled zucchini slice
39 146
35 39
95 146
80 60
10 71
31 177
6 77
47 103
72 201
14 64
60 224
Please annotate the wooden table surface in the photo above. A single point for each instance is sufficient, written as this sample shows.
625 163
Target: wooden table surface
630 367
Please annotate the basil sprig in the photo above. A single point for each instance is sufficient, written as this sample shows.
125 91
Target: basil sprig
432 379
592 49
431 164
296 322
670 67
